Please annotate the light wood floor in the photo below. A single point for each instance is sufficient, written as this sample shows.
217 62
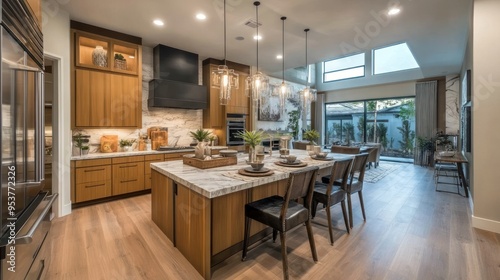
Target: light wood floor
411 232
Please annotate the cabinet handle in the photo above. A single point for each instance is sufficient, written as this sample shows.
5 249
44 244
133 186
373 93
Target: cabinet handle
92 170
92 186
127 166
126 181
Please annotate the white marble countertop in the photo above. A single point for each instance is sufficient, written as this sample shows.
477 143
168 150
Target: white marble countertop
137 153
214 182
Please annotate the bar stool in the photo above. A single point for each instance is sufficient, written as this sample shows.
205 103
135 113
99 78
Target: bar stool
283 213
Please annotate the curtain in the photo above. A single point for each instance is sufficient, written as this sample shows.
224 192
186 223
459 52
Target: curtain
426 109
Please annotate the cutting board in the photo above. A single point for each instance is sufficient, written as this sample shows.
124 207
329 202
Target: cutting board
109 143
159 138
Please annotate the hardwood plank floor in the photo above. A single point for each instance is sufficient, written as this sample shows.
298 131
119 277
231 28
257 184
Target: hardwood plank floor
411 232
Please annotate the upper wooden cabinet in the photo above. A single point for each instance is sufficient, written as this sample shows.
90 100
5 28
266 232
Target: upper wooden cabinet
106 78
215 115
102 53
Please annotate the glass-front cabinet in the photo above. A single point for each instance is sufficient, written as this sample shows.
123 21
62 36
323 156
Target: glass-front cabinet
93 51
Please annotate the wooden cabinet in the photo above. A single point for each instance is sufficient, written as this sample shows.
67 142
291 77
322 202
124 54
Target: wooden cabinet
105 99
92 179
239 102
102 53
106 92
147 168
128 174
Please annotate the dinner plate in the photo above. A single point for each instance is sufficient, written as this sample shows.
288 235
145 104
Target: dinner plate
291 163
251 170
322 158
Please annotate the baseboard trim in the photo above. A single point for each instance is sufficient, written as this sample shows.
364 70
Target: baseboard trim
485 224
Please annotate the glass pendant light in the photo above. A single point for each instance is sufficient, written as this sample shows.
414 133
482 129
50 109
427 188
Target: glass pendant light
224 78
307 95
258 84
283 91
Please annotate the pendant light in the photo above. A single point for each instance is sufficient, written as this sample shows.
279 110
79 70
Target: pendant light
224 78
284 88
258 84
307 95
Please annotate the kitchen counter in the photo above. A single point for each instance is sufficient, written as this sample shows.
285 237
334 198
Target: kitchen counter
202 211
137 153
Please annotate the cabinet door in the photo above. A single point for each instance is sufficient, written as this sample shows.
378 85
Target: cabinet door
213 117
124 96
128 177
238 104
92 182
92 98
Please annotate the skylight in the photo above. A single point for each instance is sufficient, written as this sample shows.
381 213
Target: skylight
393 58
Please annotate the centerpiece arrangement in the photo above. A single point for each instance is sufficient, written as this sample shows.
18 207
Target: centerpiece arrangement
252 139
202 137
126 144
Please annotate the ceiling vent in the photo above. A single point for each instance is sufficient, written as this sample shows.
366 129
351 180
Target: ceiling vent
252 23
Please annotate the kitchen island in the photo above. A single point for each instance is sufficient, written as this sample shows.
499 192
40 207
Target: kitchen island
202 211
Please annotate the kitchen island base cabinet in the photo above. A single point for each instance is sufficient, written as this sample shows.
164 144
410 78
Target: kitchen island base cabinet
206 231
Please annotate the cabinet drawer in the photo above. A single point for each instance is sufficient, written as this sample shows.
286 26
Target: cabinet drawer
154 157
127 159
93 190
176 156
128 177
92 162
93 174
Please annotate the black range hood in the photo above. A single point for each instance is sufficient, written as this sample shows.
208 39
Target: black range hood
175 83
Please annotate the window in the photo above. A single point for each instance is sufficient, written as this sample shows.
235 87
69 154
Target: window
393 58
344 68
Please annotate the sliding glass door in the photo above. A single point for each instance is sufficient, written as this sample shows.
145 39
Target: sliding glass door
390 122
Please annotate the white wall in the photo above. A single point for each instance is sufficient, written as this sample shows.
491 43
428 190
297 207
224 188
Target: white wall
485 104
56 41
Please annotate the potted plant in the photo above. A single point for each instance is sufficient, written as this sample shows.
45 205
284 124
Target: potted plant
81 143
252 138
201 136
120 61
125 144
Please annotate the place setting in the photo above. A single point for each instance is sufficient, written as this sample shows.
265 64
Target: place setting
317 154
256 168
290 161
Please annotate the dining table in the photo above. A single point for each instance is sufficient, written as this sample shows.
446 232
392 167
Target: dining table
458 159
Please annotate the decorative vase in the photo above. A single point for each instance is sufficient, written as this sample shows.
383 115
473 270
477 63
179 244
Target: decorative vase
199 150
251 154
84 152
100 57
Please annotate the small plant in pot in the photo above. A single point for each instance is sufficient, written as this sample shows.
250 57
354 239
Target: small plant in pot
120 61
201 136
81 142
312 136
252 139
126 144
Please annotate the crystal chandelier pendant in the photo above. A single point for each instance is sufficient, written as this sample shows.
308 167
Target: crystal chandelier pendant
307 95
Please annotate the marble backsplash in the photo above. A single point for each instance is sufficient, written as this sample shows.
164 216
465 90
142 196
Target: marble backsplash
178 121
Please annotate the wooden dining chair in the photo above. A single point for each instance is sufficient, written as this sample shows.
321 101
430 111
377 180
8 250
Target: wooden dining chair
344 150
328 194
284 213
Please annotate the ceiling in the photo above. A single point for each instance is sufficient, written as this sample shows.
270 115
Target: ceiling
435 30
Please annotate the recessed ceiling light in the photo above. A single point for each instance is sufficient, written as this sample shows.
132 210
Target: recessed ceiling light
158 22
201 16
394 11
279 56
257 37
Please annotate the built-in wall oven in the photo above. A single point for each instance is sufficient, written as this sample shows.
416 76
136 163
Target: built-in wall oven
25 209
235 124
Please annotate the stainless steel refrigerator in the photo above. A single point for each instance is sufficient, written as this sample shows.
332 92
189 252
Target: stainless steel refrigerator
25 209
